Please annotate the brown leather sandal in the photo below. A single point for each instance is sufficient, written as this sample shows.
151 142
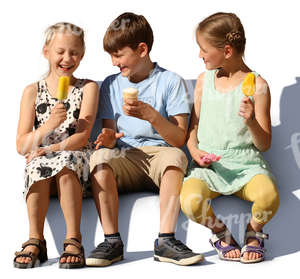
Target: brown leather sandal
80 255
35 259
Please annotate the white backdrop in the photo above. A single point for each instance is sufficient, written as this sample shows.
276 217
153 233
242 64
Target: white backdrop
272 50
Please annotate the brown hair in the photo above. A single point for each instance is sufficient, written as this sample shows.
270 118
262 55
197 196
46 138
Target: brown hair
221 29
62 27
130 30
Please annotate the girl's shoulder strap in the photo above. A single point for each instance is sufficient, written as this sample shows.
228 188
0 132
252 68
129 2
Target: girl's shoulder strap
256 73
79 84
41 86
209 79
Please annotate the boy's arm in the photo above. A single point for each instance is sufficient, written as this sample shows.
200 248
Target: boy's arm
174 130
108 136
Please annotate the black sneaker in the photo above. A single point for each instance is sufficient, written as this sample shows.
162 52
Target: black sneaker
105 254
174 251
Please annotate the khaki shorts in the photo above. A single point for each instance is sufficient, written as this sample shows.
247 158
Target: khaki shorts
138 169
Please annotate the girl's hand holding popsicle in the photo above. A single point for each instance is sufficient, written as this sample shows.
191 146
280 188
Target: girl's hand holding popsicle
59 114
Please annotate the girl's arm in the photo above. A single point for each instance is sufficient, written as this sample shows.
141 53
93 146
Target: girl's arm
192 140
28 140
257 116
86 120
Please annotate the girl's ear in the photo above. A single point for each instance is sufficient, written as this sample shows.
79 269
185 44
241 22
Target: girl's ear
142 49
46 52
228 51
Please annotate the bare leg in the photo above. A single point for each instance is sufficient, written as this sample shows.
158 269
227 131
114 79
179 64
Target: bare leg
37 206
169 199
70 197
104 188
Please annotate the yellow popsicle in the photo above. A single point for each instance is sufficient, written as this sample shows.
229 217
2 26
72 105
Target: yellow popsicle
63 86
248 85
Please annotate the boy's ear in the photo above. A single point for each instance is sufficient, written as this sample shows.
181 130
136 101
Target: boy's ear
82 55
228 51
142 49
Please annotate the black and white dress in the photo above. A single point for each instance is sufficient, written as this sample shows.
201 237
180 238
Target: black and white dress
50 164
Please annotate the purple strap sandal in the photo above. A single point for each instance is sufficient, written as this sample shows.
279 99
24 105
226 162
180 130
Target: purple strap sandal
259 236
215 241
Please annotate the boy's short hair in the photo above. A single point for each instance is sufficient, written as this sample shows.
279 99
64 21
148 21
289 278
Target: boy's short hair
130 30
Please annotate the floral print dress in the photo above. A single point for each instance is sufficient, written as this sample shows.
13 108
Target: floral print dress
51 163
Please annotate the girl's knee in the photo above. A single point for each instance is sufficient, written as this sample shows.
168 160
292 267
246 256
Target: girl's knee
65 176
269 197
194 199
267 202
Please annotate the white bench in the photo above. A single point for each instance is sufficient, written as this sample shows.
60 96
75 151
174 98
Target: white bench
139 212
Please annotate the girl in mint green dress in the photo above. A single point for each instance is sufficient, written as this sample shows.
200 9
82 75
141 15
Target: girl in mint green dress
228 130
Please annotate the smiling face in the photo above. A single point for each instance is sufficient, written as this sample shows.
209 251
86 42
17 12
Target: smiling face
213 57
129 61
64 53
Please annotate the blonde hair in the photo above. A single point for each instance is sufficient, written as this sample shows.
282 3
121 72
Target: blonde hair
221 29
63 27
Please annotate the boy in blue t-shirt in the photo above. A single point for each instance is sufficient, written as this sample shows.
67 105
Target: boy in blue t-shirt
141 139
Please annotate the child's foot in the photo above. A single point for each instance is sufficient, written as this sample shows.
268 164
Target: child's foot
225 245
252 255
106 253
71 259
73 254
253 250
28 249
233 254
34 252
174 251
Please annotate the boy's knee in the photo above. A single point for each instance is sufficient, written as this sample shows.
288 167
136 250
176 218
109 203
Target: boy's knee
180 156
102 169
174 157
103 157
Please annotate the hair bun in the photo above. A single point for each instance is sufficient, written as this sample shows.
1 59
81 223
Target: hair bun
234 37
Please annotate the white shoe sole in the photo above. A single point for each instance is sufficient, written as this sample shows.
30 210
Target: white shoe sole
188 261
101 262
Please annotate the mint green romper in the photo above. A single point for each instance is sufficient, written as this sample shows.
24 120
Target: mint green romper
223 132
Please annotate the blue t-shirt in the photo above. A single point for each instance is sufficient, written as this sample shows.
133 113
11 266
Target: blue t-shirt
165 91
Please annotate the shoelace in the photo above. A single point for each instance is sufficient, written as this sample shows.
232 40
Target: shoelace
178 245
